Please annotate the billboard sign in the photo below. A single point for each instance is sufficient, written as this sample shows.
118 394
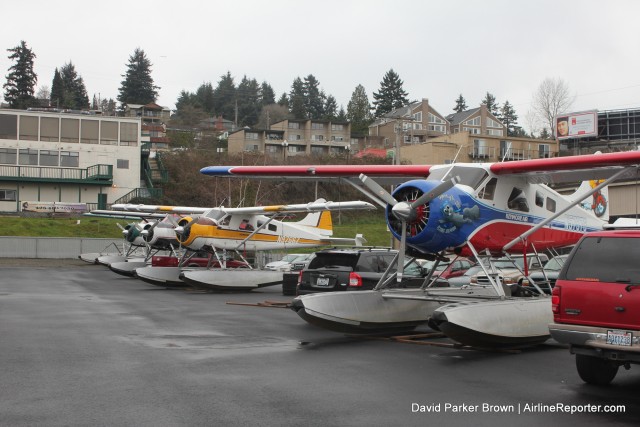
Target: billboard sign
54 207
577 125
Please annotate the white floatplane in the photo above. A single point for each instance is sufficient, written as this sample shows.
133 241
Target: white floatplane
250 229
469 209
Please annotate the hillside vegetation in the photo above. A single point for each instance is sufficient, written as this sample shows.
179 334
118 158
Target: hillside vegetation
371 225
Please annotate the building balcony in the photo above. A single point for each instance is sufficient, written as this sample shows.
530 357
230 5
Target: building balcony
93 175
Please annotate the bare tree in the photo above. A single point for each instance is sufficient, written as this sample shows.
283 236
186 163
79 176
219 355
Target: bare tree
532 122
551 98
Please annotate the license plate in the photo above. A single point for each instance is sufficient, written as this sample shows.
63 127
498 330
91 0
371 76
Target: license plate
322 281
618 337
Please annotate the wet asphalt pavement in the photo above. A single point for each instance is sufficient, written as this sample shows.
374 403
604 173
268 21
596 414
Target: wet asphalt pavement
81 345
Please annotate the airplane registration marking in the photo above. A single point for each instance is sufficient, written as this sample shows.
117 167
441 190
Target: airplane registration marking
517 217
288 239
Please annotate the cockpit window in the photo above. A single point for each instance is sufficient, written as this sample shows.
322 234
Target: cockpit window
488 190
517 200
472 177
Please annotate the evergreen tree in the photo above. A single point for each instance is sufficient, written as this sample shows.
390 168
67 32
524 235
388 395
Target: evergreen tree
330 108
21 80
224 97
545 134
74 91
490 101
297 103
284 100
314 98
391 94
267 94
461 104
137 86
248 102
509 118
359 111
188 110
342 115
57 90
205 98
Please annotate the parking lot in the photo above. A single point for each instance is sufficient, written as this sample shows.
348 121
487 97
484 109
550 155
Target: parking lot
81 345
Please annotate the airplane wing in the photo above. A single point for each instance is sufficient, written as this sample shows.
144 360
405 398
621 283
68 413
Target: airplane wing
571 168
383 174
317 206
125 214
159 209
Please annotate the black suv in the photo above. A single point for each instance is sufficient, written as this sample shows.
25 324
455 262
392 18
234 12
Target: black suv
352 269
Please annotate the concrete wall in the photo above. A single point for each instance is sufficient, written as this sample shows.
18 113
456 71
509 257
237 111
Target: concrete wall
54 247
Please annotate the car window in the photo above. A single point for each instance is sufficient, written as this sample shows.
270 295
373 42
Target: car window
555 264
601 259
323 260
372 262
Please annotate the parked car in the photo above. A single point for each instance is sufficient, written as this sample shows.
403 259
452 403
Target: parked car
454 268
465 279
301 262
352 269
551 270
595 304
283 264
509 274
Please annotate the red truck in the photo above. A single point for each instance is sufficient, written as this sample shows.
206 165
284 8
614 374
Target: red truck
596 304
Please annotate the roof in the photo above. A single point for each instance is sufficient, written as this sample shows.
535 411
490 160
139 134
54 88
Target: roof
457 118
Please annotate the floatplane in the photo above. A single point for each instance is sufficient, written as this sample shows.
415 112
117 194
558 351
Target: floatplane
246 229
154 234
477 209
134 246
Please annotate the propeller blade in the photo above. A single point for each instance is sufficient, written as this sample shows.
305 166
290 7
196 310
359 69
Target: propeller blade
403 248
377 189
442 188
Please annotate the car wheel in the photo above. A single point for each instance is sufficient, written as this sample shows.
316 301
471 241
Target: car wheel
594 370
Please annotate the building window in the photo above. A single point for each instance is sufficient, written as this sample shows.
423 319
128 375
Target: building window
49 129
317 126
294 125
129 134
272 149
337 138
28 156
417 116
473 122
492 123
29 128
544 151
122 164
472 131
8 126
297 149
8 156
69 159
108 133
89 131
251 135
70 130
435 119
495 132
8 195
337 127
294 137
437 128
48 158
317 151
317 137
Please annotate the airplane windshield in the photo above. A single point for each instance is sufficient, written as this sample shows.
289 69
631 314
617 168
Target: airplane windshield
472 177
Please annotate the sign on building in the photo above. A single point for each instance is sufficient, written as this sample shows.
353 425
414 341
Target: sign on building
577 125
53 207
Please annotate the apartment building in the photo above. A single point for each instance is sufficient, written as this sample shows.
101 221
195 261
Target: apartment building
292 137
68 158
153 118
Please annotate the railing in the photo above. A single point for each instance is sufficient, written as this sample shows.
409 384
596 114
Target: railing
140 194
97 173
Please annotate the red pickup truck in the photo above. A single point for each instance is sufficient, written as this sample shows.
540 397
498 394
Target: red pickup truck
596 304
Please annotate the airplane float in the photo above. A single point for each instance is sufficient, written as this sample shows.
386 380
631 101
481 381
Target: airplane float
466 208
251 229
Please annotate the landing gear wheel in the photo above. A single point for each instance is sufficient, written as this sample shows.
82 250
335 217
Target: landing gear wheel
594 370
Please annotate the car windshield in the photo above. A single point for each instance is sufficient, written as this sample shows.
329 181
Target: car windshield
290 257
555 264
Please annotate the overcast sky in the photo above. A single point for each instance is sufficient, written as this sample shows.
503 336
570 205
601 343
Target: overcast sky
440 48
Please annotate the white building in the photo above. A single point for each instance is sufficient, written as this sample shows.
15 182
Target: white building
69 158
